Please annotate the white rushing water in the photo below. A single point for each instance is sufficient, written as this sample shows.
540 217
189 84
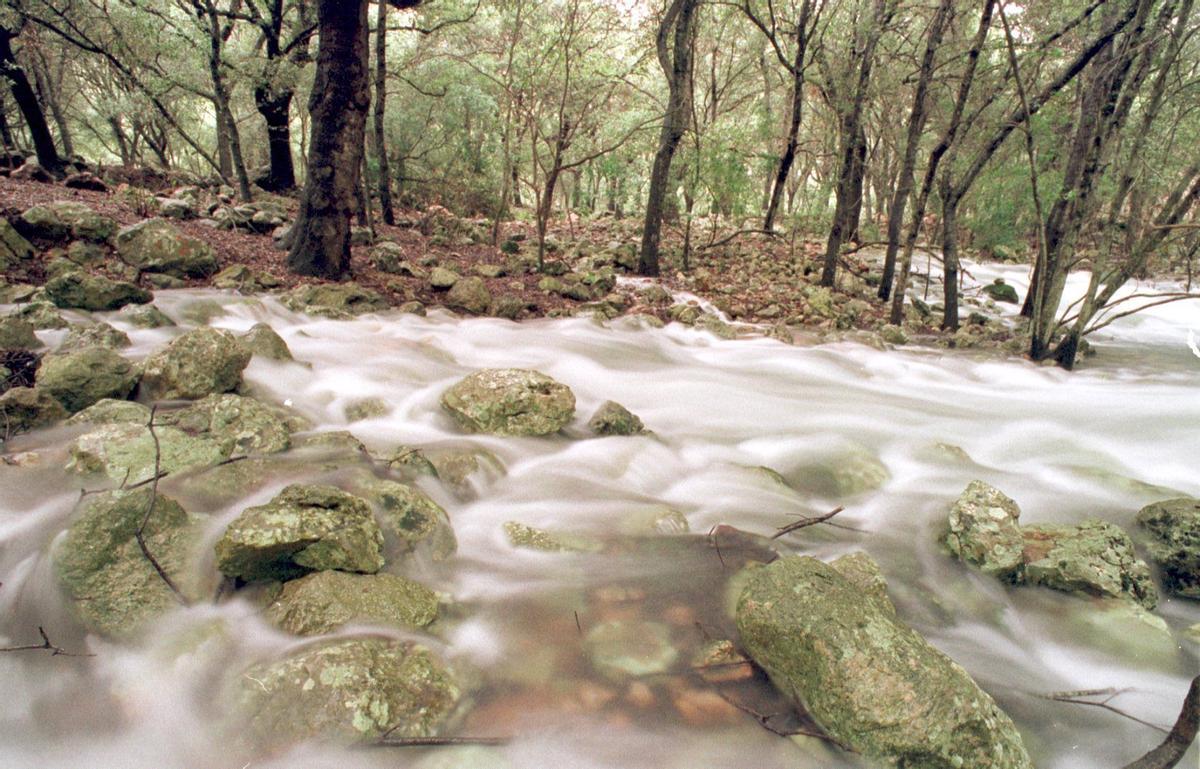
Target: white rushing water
1101 442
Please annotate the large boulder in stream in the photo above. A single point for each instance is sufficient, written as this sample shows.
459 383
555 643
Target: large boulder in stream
510 402
1174 527
128 453
305 528
79 378
983 531
156 245
349 691
28 408
84 291
326 600
334 300
1093 558
112 586
238 425
829 637
199 363
411 521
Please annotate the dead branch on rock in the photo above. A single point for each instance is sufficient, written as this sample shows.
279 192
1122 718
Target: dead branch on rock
765 721
439 742
738 234
804 523
139 535
1082 696
46 645
1181 737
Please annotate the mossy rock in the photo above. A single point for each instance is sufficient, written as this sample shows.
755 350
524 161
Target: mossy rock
79 378
237 424
125 452
1174 528
28 408
156 245
17 334
983 531
1093 558
334 300
80 290
614 419
410 519
199 363
263 341
99 334
326 600
510 402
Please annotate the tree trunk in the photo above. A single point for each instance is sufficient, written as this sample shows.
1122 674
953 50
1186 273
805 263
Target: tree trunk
677 65
275 108
320 238
381 157
916 127
31 110
797 109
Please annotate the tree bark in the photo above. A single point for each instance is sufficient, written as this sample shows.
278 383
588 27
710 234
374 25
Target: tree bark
677 65
381 156
320 238
27 102
797 109
275 108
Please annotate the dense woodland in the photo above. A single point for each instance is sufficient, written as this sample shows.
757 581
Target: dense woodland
1061 134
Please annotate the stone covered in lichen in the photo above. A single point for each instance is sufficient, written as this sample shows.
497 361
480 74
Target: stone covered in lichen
99 334
1174 527
347 691
866 678
1091 558
75 289
126 452
510 402
326 600
530 538
334 300
409 517
983 531
156 245
79 378
304 528
112 586
263 341
110 411
238 425
199 363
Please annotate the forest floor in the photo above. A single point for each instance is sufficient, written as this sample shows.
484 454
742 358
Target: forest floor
752 278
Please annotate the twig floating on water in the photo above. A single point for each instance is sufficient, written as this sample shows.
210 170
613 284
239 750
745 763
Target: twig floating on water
804 523
45 645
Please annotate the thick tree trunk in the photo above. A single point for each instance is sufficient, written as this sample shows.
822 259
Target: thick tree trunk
949 260
27 101
320 238
677 65
385 172
275 108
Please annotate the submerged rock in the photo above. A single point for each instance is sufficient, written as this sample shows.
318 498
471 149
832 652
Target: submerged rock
324 601
852 472
984 532
28 408
1092 558
156 245
113 587
530 538
614 419
304 528
510 402
620 649
1174 527
833 644
79 378
199 363
81 290
411 519
348 690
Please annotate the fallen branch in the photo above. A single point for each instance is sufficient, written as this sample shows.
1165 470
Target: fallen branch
438 742
1078 698
736 235
45 645
804 523
764 720
1181 737
139 535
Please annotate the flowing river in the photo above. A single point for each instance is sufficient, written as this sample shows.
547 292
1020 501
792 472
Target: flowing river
1101 442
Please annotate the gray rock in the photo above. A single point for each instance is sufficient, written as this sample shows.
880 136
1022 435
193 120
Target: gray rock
347 691
75 289
326 600
1174 528
156 245
983 531
79 378
304 528
510 402
614 419
199 363
831 642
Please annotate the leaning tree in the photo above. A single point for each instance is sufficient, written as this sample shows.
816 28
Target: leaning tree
320 238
